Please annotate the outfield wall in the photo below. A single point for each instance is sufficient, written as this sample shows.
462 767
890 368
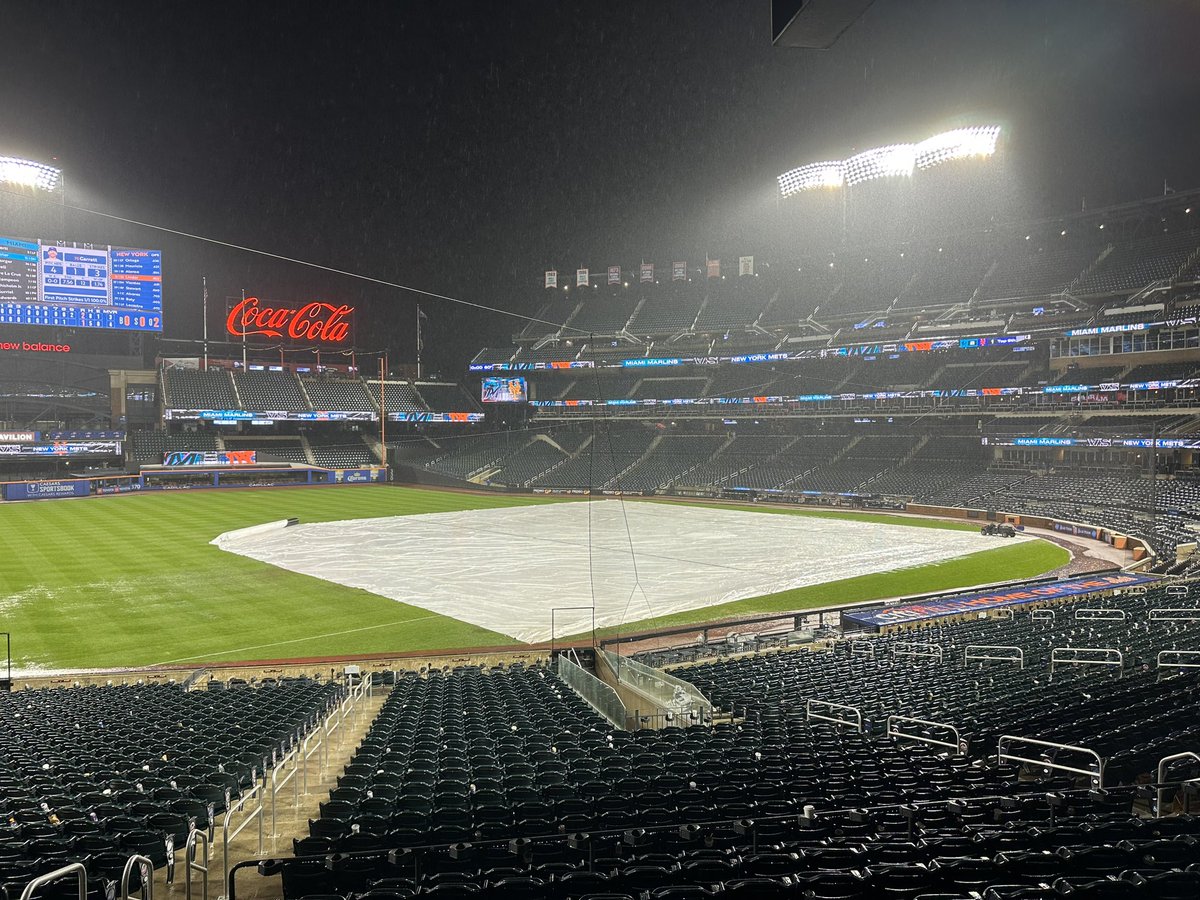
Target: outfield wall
162 478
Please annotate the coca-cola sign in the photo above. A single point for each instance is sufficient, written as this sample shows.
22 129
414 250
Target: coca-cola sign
316 321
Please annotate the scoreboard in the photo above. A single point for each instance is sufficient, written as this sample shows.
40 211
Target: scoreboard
80 285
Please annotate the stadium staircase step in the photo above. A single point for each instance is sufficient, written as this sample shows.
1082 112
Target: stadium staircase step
296 807
307 447
304 392
679 479
1192 259
615 482
1091 267
236 392
982 281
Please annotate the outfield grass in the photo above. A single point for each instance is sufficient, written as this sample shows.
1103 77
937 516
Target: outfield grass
1007 563
132 580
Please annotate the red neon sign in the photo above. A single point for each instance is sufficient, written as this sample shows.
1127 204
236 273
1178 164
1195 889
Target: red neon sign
314 321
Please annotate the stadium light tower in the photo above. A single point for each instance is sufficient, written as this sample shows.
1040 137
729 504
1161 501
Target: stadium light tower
892 161
30 174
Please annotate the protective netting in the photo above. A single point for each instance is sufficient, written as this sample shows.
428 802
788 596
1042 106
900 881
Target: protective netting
505 569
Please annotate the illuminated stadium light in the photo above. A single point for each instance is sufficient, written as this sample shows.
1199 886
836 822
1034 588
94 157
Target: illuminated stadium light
961 143
882 162
27 173
893 161
814 175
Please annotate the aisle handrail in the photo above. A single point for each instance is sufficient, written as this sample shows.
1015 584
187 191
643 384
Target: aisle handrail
1161 781
856 722
146 873
1018 657
190 865
895 732
76 869
1112 657
916 648
1096 775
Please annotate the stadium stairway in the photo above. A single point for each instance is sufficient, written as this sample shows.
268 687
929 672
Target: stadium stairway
298 803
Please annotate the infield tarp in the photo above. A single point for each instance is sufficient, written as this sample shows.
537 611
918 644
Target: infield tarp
985 600
505 569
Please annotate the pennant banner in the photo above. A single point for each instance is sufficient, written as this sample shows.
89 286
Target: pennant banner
614 274
714 268
679 271
745 265
552 279
647 272
581 278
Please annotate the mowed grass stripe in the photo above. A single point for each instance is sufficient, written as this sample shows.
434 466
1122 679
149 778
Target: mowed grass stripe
132 580
1011 562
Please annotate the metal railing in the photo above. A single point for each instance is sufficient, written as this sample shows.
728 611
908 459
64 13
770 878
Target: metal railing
1016 654
1178 590
895 730
667 692
313 745
1161 783
1042 615
1097 774
909 648
250 814
1101 613
1068 656
76 869
278 783
1183 659
855 723
190 865
145 873
864 647
1175 614
598 695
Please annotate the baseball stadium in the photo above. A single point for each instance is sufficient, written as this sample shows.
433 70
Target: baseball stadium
830 536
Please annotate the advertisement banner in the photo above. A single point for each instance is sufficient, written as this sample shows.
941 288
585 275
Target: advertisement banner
121 487
359 476
505 390
679 270
45 490
985 600
614 274
180 458
19 437
315 321
647 273
63 448
456 417
233 416
551 278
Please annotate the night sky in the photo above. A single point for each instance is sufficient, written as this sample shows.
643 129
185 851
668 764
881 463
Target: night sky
463 148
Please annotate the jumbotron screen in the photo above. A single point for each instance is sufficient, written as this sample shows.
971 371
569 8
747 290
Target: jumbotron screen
504 390
71 285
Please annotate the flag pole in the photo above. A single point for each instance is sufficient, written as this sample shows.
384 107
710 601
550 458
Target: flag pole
243 333
383 408
204 280
418 342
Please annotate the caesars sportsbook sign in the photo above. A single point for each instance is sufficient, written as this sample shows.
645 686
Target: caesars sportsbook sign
316 321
